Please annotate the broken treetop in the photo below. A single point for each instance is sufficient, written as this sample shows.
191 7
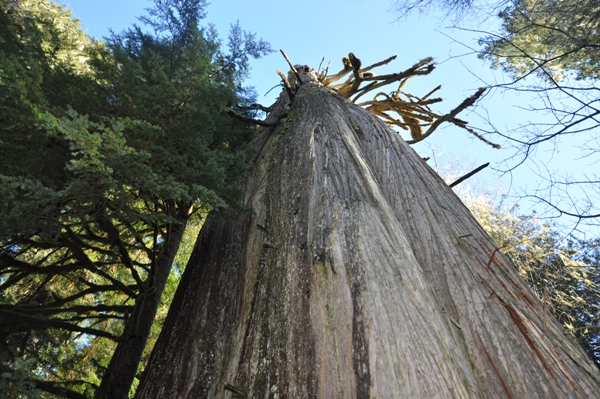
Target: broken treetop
396 108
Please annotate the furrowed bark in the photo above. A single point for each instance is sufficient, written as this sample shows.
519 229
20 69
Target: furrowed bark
356 272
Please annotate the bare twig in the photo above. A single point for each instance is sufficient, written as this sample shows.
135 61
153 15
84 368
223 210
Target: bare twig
471 173
292 67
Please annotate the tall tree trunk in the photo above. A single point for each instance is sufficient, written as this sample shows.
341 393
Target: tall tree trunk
357 273
125 361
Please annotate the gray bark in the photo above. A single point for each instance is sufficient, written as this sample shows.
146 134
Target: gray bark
354 272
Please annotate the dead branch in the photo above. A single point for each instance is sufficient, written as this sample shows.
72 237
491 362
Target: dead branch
471 173
449 117
292 67
286 84
380 63
261 107
397 108
327 80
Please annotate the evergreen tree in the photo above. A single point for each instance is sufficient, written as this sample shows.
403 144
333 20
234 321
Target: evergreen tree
106 149
553 39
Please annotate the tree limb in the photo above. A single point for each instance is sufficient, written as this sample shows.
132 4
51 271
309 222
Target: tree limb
247 119
471 173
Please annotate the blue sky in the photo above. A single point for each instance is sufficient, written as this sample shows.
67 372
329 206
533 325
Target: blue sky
312 30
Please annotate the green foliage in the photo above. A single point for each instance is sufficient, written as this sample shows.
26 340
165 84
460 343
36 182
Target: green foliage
16 383
104 148
564 275
551 38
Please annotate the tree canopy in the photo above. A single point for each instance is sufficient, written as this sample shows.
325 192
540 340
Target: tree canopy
106 150
549 50
552 39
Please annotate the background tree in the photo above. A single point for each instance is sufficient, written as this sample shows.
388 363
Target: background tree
548 49
562 273
588 330
107 149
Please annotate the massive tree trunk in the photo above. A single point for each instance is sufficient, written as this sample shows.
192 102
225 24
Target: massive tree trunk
352 271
